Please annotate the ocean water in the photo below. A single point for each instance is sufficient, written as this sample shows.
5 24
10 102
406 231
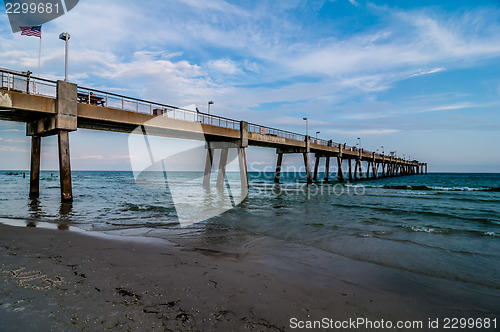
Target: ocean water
441 225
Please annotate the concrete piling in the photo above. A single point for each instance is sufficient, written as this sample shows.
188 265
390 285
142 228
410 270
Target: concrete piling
308 167
208 167
340 171
222 168
278 168
242 159
316 165
64 166
327 168
35 166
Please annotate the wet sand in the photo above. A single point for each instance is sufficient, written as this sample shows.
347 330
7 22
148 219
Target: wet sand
63 280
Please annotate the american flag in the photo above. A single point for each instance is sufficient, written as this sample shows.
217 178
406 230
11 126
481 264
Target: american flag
35 31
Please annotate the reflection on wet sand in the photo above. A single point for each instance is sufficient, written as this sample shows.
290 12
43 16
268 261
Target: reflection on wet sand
36 212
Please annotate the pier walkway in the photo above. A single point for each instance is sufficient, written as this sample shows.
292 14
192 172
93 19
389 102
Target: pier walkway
57 108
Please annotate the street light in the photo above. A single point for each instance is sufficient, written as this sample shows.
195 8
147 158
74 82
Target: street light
210 103
307 126
382 149
65 36
359 142
318 132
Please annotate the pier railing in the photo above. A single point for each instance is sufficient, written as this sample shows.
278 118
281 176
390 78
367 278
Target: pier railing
264 130
25 83
112 100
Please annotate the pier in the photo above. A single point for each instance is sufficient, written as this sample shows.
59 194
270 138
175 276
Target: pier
59 107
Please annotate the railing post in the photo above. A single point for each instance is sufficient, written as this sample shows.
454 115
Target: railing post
28 83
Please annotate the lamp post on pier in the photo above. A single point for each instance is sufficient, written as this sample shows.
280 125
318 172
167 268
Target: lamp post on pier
307 126
65 36
211 102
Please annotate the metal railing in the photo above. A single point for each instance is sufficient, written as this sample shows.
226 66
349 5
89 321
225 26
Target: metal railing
112 100
263 130
23 82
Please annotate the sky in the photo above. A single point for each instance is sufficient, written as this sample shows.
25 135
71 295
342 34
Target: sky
418 77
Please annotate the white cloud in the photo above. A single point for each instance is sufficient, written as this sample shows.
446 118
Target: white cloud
11 149
354 3
426 72
224 66
366 132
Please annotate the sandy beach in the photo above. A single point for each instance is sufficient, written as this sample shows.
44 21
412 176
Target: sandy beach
64 280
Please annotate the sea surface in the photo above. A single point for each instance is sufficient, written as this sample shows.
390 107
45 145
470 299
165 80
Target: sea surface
441 225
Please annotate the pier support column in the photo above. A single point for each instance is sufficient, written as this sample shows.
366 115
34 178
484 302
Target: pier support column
242 158
35 166
222 168
278 168
327 168
208 168
316 165
64 166
426 169
369 163
340 171
375 169
350 169
308 167
61 123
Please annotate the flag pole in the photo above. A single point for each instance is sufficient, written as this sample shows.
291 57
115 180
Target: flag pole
39 55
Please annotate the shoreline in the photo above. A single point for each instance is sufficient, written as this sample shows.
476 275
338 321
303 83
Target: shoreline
99 283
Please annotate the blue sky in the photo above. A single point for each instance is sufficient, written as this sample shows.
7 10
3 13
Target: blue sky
418 77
